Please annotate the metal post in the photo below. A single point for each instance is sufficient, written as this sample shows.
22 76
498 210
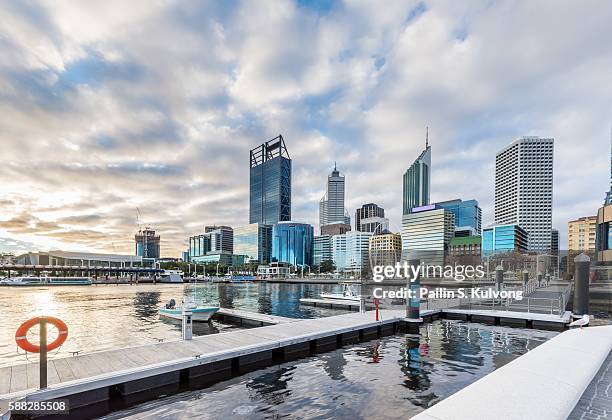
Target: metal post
362 304
525 277
581 284
499 277
187 324
539 279
43 352
413 308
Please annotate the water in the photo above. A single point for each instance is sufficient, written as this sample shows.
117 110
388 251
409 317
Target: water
394 377
108 317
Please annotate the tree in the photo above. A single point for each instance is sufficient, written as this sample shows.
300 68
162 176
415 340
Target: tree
327 266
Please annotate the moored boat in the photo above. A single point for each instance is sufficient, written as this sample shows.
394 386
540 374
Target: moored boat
348 293
46 281
171 276
199 313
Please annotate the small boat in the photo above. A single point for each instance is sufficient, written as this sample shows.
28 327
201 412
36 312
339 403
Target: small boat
199 313
348 293
171 276
46 281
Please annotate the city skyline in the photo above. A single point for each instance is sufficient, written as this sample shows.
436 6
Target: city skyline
97 122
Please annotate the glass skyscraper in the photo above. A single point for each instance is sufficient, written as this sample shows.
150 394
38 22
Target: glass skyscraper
270 183
467 213
504 238
254 241
292 243
331 206
417 181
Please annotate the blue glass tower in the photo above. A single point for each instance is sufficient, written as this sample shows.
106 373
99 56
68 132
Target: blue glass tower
467 213
270 183
504 238
417 180
292 243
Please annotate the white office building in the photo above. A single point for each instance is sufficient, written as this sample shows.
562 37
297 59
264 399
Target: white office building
357 251
331 206
524 188
426 234
338 245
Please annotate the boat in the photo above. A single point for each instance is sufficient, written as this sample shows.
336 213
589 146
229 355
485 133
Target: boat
46 281
348 293
199 313
171 276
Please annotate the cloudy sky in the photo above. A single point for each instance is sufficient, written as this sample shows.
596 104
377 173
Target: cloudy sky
110 106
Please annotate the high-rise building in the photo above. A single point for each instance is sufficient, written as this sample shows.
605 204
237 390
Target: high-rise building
292 243
147 243
385 248
374 224
270 183
367 211
254 241
322 249
331 206
357 252
504 238
468 215
426 234
221 238
338 243
417 180
524 188
337 228
582 233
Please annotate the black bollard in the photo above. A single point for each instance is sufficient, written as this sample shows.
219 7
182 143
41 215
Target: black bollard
581 284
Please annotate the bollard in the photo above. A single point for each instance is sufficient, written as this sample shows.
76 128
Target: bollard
581 284
525 277
362 304
187 324
413 308
43 353
499 277
539 279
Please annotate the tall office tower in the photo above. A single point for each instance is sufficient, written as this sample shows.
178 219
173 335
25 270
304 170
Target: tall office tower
147 243
322 250
365 212
331 206
221 238
270 183
524 188
468 215
426 234
417 180
254 241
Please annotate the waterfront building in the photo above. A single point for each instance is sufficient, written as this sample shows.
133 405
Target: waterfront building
357 252
185 256
367 211
582 234
322 249
274 269
604 235
504 238
460 246
417 180
83 259
221 238
426 234
270 183
147 243
374 224
338 228
338 243
524 188
199 245
292 243
468 214
385 248
221 257
255 241
331 206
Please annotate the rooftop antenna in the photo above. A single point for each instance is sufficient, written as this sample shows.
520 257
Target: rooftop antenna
427 137
334 165
138 218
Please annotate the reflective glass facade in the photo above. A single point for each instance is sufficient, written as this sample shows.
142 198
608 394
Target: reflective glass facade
467 213
292 243
322 250
417 181
254 241
504 238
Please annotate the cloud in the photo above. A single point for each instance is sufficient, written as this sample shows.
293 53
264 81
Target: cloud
108 107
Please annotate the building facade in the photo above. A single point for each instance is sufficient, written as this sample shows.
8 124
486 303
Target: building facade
385 248
524 188
461 246
426 234
221 238
147 243
338 243
322 249
338 228
604 235
331 206
270 183
254 241
366 211
504 238
357 252
374 225
582 234
292 243
468 214
417 181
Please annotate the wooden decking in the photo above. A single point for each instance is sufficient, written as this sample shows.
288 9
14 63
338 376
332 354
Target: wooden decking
250 318
86 372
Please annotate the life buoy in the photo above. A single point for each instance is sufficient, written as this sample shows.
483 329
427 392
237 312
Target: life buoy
21 336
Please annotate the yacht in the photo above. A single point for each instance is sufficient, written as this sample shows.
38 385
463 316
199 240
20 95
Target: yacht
45 281
348 293
198 313
171 276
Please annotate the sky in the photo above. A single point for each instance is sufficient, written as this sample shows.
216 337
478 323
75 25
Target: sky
109 107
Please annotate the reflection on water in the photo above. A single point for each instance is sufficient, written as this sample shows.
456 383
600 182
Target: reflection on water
394 377
108 317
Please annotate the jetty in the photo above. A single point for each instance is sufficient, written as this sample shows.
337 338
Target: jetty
249 318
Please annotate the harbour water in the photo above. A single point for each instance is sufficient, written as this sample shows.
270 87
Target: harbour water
108 317
390 378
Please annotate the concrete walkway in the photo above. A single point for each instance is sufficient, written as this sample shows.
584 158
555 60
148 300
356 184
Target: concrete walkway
596 402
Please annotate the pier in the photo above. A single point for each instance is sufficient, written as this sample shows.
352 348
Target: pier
249 318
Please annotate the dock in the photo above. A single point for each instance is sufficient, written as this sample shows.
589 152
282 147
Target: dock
96 378
249 318
351 305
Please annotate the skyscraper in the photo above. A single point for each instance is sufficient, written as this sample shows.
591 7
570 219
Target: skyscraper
147 243
417 180
468 215
270 183
367 211
331 206
524 187
292 243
